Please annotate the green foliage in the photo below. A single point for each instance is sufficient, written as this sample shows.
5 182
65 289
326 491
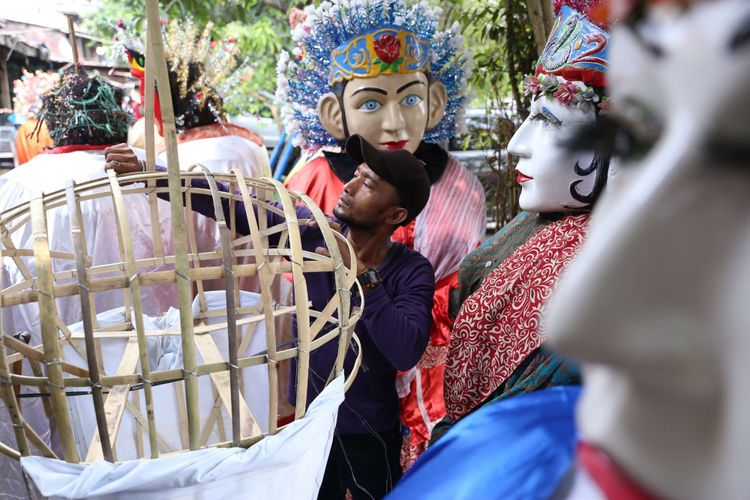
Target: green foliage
500 36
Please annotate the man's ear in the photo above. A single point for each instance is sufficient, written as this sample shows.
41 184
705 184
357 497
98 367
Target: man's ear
438 101
330 113
396 215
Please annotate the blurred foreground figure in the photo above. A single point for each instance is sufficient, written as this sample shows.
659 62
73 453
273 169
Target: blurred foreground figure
497 349
656 303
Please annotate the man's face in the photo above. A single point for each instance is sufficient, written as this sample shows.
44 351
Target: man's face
365 200
389 111
546 169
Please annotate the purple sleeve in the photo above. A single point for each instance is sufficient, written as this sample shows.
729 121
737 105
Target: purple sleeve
400 326
204 205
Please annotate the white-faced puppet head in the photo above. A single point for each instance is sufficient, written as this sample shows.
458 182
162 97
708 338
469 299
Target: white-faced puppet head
376 68
567 95
656 305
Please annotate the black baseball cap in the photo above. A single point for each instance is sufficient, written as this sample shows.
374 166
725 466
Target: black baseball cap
399 168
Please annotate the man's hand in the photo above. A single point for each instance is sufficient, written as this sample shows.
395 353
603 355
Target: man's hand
343 247
122 160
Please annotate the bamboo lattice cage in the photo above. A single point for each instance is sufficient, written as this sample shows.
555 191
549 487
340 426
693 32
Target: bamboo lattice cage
96 380
69 361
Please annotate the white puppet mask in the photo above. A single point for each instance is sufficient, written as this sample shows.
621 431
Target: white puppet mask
552 178
656 305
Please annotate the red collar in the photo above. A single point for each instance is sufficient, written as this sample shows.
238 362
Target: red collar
75 147
611 479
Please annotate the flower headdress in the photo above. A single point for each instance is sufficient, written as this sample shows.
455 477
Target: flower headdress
350 39
200 70
29 89
572 67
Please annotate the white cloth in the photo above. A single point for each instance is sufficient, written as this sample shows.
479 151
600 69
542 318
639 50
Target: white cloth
165 353
48 173
220 155
289 465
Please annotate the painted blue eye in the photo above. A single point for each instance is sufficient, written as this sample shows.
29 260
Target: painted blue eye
411 100
370 105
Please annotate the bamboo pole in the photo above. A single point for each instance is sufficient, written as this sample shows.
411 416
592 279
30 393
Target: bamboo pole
300 294
149 93
47 311
344 278
265 277
9 397
88 327
226 248
178 223
135 291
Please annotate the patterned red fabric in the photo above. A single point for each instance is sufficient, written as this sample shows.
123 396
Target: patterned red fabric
421 388
498 326
608 476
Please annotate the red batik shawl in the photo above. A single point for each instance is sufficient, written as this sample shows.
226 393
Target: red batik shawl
450 226
498 326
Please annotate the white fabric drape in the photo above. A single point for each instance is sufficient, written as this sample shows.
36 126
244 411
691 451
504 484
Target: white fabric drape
289 465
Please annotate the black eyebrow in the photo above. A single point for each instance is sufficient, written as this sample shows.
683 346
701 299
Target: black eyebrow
369 177
370 89
404 87
742 36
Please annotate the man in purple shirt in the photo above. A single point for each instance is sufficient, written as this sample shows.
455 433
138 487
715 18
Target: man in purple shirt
388 190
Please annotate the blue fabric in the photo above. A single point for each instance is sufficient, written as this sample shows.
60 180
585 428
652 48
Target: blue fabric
520 447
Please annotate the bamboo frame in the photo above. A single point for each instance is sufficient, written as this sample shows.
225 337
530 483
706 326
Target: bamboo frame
47 274
133 274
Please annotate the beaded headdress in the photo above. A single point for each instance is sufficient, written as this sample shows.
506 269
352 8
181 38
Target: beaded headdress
573 65
350 39
84 109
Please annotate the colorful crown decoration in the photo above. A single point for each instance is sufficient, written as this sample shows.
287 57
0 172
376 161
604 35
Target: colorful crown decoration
384 51
364 38
206 70
572 67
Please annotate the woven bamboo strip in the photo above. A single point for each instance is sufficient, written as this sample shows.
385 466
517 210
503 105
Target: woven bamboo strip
47 310
88 326
211 354
36 370
134 407
9 452
195 256
38 442
161 277
11 404
216 411
231 312
151 153
178 223
175 374
114 406
135 291
300 294
344 278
